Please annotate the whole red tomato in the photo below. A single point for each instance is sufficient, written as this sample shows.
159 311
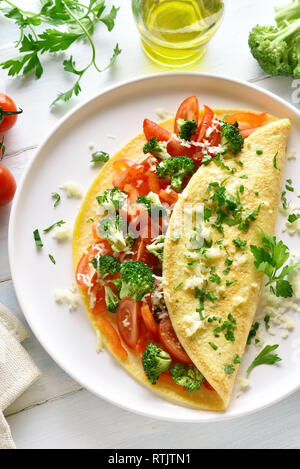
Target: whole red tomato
7 185
8 113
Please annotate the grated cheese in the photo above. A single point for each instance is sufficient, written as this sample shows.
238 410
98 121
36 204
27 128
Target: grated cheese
72 189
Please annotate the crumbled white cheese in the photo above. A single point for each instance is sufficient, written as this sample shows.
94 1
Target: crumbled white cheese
63 232
163 113
238 300
194 282
72 189
240 259
70 297
243 385
214 253
192 324
292 155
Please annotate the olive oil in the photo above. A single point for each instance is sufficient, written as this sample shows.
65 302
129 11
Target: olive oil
175 32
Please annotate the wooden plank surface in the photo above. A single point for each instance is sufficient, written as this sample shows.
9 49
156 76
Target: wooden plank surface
58 413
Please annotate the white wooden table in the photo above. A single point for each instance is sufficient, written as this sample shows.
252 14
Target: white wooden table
56 412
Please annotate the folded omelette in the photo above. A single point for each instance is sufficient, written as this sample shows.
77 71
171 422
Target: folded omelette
212 325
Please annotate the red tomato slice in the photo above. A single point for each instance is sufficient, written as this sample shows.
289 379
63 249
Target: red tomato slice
170 341
153 182
127 321
110 332
7 185
85 269
100 305
188 110
204 125
253 120
174 148
149 320
151 129
170 196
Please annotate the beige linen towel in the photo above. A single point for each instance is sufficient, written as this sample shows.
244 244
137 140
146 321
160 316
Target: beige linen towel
17 370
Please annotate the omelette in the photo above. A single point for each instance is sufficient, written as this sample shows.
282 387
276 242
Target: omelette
173 296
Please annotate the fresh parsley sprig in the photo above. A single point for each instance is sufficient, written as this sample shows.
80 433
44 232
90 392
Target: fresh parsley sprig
269 259
266 357
80 21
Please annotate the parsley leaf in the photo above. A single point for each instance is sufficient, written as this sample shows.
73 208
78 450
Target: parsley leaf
34 41
269 259
239 243
266 357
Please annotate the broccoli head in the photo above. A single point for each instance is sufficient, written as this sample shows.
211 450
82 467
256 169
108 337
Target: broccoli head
287 13
186 129
188 376
111 299
156 148
153 204
176 169
155 362
106 265
115 230
112 199
157 247
137 280
277 50
231 137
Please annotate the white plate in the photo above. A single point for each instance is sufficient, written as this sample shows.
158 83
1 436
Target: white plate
65 156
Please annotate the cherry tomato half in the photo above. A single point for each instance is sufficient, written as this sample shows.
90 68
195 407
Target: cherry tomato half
188 110
170 341
7 185
127 321
8 113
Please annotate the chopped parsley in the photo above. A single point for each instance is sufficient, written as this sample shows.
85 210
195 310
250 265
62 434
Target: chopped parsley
293 217
37 239
180 285
100 157
228 327
56 197
215 278
213 346
239 244
58 223
266 357
229 369
275 161
52 259
269 259
259 151
284 201
267 322
253 333
237 360
229 283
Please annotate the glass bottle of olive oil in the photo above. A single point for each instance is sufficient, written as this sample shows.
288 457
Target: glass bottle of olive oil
175 32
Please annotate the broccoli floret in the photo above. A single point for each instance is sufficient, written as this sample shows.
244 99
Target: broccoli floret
155 362
156 148
153 205
177 169
112 199
137 280
115 230
157 247
188 376
277 50
106 265
111 300
117 283
231 137
287 13
186 129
